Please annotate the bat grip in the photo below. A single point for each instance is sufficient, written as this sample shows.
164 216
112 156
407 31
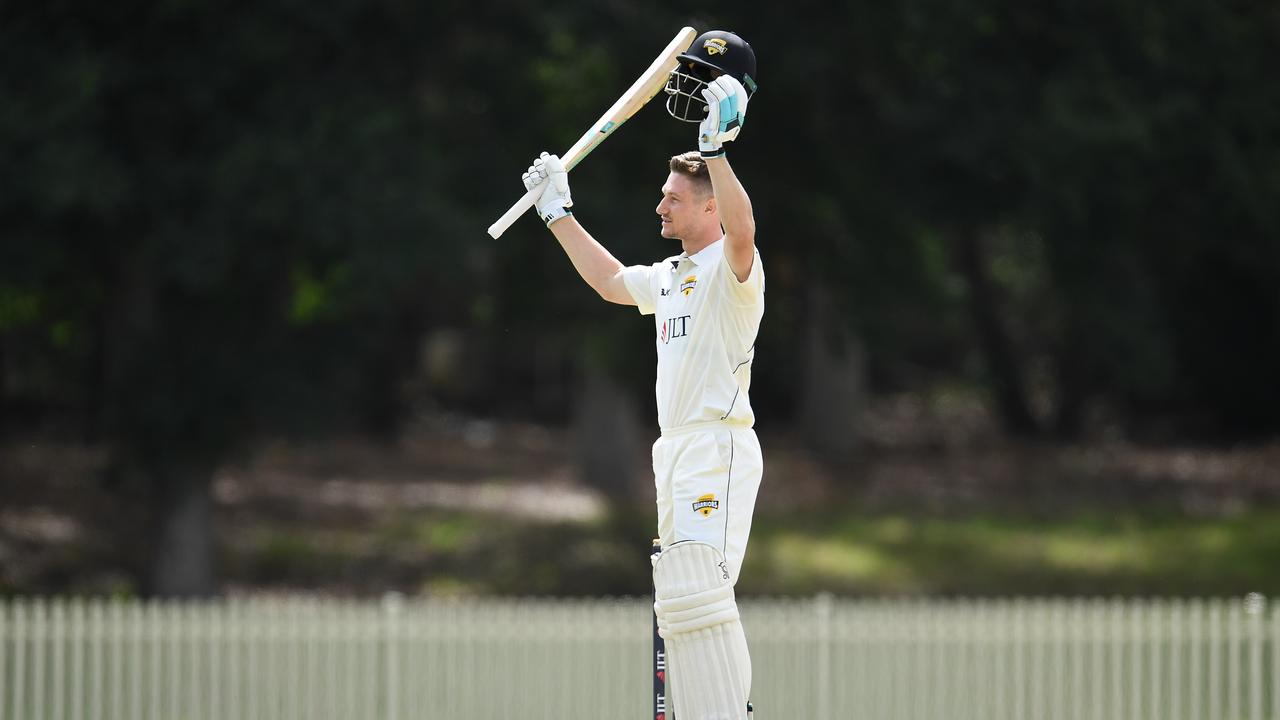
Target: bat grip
510 216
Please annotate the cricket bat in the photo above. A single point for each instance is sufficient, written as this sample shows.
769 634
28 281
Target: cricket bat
640 92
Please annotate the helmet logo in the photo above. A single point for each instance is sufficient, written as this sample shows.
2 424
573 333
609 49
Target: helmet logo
716 46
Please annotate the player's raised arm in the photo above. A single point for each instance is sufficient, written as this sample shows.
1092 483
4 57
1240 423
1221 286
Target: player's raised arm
597 266
726 112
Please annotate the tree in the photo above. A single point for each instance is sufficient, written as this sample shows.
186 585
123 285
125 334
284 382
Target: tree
219 226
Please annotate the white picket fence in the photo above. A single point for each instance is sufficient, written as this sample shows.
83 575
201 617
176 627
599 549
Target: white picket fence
478 659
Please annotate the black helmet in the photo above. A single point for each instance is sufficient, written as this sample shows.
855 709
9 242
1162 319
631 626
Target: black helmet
714 53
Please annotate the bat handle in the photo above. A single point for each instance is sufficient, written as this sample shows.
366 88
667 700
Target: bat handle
510 216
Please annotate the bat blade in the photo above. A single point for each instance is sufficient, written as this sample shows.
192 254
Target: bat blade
637 96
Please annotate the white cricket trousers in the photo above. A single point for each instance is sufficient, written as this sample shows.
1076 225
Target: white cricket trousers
707 477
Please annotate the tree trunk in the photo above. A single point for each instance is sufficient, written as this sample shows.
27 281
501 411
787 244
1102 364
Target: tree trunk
1072 387
997 347
606 435
181 549
835 389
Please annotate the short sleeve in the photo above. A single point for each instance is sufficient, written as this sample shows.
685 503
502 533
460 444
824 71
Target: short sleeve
750 291
639 280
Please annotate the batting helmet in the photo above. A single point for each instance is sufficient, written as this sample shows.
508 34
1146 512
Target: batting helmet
712 54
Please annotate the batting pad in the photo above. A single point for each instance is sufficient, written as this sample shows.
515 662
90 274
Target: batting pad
708 668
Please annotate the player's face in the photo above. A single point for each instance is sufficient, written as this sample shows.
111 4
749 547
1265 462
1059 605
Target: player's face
682 208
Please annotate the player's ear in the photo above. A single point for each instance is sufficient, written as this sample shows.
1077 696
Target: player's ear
710 205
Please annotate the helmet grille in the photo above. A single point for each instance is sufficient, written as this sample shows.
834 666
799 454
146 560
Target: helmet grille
684 92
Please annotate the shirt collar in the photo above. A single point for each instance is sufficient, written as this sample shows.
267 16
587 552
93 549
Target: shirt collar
706 255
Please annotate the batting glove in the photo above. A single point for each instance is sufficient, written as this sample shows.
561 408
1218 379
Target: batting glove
548 173
726 112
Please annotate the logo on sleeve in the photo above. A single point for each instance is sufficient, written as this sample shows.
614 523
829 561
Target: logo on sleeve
688 285
706 504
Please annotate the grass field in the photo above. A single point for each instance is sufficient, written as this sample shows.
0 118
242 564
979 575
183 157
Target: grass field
500 511
1086 553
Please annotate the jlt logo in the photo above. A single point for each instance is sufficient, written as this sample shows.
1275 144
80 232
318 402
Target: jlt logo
659 685
673 328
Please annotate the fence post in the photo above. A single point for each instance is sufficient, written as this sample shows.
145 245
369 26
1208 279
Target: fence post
1234 674
1215 659
1254 605
291 642
1155 646
19 657
392 603
1177 620
1275 660
1136 628
822 610
1195 657
79 640
39 639
4 651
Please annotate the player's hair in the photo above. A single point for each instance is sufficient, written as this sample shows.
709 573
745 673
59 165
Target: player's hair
692 166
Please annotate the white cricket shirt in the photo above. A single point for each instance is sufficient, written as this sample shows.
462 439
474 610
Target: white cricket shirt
705 325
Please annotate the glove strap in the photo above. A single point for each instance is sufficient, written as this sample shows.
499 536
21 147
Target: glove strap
708 146
552 212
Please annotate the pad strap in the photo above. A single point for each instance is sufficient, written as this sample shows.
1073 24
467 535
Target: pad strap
697 611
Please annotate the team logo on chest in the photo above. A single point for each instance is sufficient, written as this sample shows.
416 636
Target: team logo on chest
706 504
688 285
